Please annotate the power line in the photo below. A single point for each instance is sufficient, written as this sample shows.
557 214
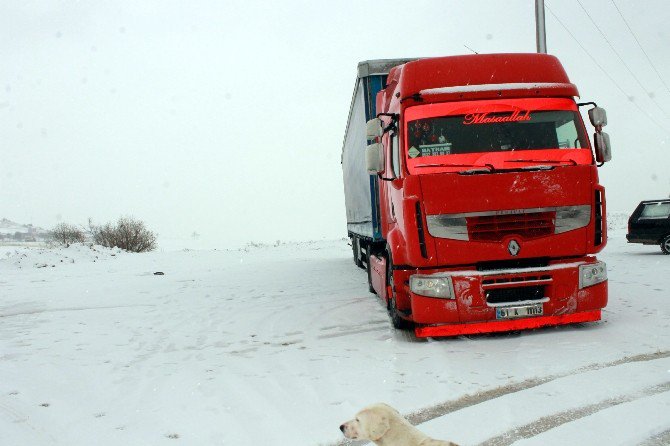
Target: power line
641 48
621 59
629 97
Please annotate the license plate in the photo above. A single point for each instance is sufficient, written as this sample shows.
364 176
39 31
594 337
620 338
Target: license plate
524 311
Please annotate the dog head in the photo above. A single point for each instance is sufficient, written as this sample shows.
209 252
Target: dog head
370 423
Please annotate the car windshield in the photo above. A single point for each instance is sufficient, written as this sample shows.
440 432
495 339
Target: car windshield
495 132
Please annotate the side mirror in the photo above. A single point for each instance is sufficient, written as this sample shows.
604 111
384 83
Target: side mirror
374 158
374 128
598 117
601 141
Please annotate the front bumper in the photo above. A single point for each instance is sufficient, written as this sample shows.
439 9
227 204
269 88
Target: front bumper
470 312
643 239
505 325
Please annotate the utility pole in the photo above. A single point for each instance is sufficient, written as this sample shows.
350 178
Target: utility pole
540 34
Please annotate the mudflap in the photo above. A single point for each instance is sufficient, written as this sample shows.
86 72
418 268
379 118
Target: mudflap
378 276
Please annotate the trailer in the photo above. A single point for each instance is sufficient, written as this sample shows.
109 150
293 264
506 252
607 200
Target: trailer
361 189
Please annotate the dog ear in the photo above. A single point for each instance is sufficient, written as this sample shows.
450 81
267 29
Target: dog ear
374 424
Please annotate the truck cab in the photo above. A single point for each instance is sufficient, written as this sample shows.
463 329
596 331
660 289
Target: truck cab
486 189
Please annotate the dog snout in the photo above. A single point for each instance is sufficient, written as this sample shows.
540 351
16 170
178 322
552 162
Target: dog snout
342 427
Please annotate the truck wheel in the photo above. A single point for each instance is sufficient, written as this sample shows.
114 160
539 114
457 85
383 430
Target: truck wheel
356 248
396 320
665 244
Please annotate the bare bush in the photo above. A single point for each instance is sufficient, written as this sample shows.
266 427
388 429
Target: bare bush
66 234
128 234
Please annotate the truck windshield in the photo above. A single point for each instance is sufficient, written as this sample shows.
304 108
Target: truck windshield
515 138
494 132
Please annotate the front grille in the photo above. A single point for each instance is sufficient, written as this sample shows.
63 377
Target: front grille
515 279
511 295
493 228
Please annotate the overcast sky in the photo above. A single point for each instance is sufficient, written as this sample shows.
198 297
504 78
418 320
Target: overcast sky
226 117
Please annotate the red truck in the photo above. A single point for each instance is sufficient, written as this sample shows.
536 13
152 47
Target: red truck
477 207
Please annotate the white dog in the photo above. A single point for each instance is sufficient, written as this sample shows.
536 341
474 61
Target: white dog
384 425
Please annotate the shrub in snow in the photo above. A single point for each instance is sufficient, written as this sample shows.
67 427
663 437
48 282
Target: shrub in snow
127 233
66 234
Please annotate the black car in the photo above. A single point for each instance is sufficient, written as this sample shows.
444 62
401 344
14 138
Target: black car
650 224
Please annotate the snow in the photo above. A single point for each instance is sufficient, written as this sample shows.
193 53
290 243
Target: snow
573 398
471 273
494 87
281 344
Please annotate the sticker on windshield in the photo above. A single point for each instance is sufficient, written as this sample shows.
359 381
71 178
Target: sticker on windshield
413 152
487 118
435 149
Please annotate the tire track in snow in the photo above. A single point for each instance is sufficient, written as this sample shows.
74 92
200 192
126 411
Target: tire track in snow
662 439
12 414
439 410
448 407
544 424
352 332
57 310
16 416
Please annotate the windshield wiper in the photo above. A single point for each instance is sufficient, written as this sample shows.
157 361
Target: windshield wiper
537 167
477 167
569 160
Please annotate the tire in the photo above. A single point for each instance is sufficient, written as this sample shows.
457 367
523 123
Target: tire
356 248
396 320
665 244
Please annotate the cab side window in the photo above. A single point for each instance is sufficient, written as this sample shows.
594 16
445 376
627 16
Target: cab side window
395 154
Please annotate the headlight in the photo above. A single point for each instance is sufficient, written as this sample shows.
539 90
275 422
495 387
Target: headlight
572 217
447 226
431 286
592 274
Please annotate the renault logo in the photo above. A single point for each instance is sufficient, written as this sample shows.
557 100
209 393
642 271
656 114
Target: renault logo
513 247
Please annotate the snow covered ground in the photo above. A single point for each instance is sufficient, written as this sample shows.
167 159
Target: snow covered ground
279 345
